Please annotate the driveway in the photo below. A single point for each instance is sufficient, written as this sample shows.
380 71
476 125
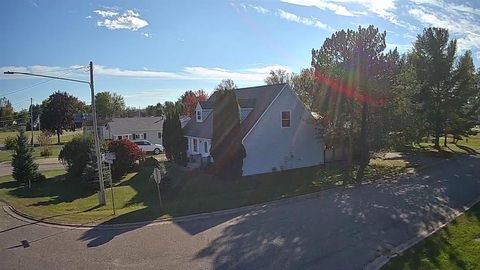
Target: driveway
44 164
343 228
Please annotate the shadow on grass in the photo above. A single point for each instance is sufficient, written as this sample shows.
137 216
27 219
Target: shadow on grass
57 189
468 150
194 192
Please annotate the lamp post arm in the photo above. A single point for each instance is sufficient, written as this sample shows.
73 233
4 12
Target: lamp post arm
45 76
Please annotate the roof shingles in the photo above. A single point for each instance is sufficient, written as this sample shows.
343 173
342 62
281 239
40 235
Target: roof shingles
258 98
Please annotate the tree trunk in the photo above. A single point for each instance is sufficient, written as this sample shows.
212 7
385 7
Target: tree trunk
445 141
58 136
364 150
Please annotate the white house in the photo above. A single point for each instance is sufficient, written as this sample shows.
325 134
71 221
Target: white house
278 132
135 128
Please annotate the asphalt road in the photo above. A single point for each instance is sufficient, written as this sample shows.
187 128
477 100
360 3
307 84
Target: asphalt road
336 229
44 164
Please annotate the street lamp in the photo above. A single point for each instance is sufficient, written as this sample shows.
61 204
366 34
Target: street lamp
101 198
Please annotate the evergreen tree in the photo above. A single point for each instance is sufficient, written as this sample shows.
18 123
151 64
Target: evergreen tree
24 167
173 138
227 149
433 58
464 100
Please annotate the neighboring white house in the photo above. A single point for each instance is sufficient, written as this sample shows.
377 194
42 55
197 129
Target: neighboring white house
135 128
278 131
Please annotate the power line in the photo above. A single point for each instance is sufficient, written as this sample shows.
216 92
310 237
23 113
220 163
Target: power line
36 84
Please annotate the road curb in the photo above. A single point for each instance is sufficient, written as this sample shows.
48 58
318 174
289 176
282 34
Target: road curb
380 261
15 213
12 211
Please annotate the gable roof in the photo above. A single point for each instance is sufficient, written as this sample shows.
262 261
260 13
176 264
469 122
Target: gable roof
258 98
135 124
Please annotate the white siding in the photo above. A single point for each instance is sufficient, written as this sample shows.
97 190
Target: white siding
200 146
270 147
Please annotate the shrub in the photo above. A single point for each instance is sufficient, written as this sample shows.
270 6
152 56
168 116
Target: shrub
76 154
44 139
150 162
10 143
126 154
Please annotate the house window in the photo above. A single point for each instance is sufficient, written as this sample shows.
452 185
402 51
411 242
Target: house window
187 143
195 145
144 136
205 145
285 119
119 137
199 116
159 135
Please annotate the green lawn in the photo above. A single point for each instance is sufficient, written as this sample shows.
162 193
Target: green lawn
65 137
136 199
469 145
6 155
455 247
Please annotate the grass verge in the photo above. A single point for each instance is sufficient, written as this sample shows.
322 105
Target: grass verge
190 192
456 246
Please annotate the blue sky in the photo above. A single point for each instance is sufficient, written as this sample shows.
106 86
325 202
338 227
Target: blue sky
152 51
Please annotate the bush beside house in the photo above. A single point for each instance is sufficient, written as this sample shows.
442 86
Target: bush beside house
126 153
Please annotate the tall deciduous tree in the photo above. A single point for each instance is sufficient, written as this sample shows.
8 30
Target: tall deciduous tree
57 113
278 76
155 110
189 101
109 104
226 84
354 77
6 112
227 149
433 58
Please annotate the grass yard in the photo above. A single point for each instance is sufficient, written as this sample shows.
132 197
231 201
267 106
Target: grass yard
6 155
65 137
455 247
68 200
466 146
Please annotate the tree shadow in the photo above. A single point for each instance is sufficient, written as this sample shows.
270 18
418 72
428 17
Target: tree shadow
467 149
146 195
58 189
347 228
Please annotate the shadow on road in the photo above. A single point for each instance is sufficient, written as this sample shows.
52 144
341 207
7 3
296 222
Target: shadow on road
346 228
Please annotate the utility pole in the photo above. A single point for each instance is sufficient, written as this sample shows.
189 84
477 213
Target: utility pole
31 118
101 193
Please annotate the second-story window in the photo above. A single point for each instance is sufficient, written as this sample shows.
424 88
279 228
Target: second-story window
199 116
285 119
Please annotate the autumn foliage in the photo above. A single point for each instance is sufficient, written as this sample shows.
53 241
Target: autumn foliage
126 153
189 101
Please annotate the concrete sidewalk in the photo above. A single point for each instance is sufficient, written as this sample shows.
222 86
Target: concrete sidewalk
44 164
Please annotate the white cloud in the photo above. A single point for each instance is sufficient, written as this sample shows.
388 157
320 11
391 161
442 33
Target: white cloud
327 5
106 13
128 20
260 9
217 74
302 20
458 19
147 35
381 8
312 21
256 74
